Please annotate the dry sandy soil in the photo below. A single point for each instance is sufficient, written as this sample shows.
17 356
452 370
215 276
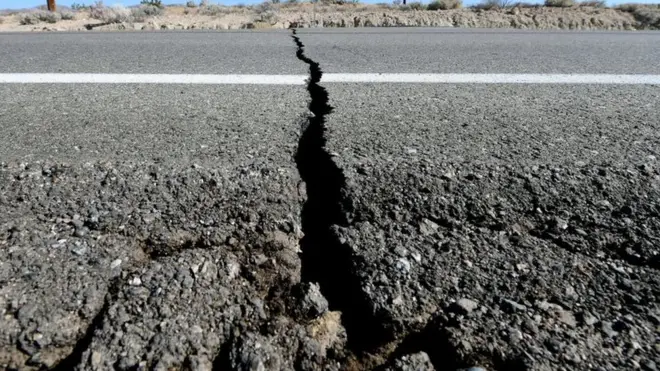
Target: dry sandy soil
356 15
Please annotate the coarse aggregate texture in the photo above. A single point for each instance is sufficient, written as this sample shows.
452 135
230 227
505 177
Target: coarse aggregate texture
347 226
507 227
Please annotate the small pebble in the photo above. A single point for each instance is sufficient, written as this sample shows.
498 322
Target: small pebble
512 306
465 306
403 265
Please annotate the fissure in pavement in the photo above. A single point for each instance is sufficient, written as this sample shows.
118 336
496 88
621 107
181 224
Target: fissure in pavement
324 259
73 360
331 264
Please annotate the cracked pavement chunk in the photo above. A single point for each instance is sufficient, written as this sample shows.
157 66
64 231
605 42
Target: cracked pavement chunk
437 228
505 227
159 248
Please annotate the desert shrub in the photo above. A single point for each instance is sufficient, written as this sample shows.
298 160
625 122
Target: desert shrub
214 10
40 16
646 14
191 4
267 12
156 3
628 7
67 16
49 17
593 3
495 4
632 7
525 5
77 6
265 7
28 19
559 3
204 3
146 11
269 17
112 14
648 17
445 4
413 6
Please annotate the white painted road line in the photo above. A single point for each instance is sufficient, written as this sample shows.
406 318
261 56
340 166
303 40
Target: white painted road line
428 78
120 78
491 78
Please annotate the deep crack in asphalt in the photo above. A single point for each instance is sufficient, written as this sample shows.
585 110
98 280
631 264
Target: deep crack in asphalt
82 345
331 263
324 258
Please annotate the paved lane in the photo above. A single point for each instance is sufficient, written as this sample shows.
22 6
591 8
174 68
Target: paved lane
414 50
504 226
150 52
134 219
448 225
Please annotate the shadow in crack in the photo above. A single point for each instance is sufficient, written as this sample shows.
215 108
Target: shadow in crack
324 259
75 358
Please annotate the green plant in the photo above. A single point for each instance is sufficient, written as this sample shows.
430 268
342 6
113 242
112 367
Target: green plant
191 4
445 4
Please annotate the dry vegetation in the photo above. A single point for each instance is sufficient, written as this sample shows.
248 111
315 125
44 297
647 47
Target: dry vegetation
45 16
151 14
644 13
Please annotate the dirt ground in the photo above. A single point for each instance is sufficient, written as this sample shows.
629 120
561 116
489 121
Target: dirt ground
352 15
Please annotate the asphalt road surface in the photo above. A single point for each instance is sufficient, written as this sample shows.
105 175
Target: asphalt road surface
330 225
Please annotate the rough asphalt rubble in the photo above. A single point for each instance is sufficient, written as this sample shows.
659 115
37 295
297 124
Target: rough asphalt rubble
516 241
403 267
